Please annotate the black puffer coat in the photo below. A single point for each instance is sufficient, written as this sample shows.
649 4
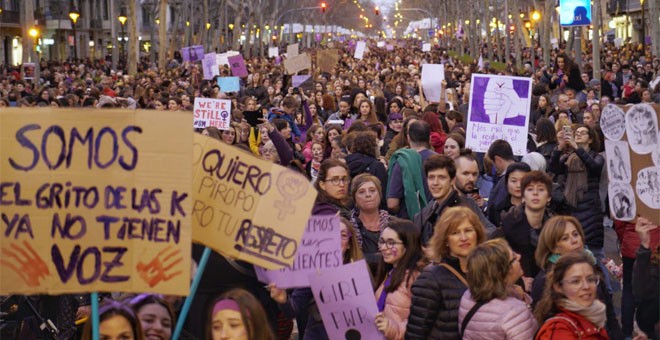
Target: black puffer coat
517 231
588 210
436 296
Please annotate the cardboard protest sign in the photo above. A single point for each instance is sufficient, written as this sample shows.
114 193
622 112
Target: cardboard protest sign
346 301
192 53
229 84
237 65
632 158
320 248
247 208
426 47
359 50
210 66
273 52
212 112
499 109
380 44
326 60
292 50
432 77
95 200
298 63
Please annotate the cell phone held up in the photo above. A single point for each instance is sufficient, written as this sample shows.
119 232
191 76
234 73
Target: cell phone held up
568 132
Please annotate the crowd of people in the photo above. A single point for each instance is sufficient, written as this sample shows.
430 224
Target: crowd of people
459 244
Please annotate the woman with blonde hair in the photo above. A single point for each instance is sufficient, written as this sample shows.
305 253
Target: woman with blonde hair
492 308
437 292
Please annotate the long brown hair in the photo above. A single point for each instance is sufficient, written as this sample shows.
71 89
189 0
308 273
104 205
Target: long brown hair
354 252
110 310
410 262
322 196
548 305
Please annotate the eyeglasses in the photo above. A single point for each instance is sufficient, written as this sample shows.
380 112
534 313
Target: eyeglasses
337 181
389 243
577 282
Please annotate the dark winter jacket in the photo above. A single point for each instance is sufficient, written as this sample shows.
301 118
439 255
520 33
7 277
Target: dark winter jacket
588 209
425 220
518 233
436 296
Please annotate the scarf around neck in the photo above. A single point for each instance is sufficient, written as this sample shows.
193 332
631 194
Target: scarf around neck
576 180
594 313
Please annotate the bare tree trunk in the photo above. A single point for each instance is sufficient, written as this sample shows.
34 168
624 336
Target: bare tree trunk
205 19
596 40
132 39
654 9
162 35
547 29
486 22
28 41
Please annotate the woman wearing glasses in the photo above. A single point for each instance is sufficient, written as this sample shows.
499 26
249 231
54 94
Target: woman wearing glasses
437 292
562 235
582 167
493 307
300 303
332 183
399 244
570 308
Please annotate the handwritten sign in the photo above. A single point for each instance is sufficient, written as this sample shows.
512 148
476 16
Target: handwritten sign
432 77
320 248
426 47
94 200
292 50
229 84
298 63
273 52
327 59
237 65
192 53
631 155
212 112
499 109
210 66
346 301
248 208
380 44
359 50
223 58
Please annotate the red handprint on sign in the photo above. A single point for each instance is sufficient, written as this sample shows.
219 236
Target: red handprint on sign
155 271
26 263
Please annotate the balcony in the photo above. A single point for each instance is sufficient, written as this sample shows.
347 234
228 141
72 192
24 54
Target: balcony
10 18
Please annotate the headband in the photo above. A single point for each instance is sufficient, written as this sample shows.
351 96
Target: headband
226 304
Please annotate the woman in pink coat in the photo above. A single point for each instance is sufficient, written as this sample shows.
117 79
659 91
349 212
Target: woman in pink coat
493 307
400 246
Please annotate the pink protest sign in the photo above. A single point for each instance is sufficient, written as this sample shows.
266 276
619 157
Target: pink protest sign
237 64
320 249
346 301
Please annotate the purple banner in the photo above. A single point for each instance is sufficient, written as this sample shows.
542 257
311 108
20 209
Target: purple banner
237 65
320 248
192 53
346 301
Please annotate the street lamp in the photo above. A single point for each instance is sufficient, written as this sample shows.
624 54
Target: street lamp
122 19
74 15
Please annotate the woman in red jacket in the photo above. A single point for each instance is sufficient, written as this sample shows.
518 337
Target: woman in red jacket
570 308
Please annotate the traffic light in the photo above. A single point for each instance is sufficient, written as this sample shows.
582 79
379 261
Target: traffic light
323 7
377 10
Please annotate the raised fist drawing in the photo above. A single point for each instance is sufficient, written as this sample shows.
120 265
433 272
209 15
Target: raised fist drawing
501 101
